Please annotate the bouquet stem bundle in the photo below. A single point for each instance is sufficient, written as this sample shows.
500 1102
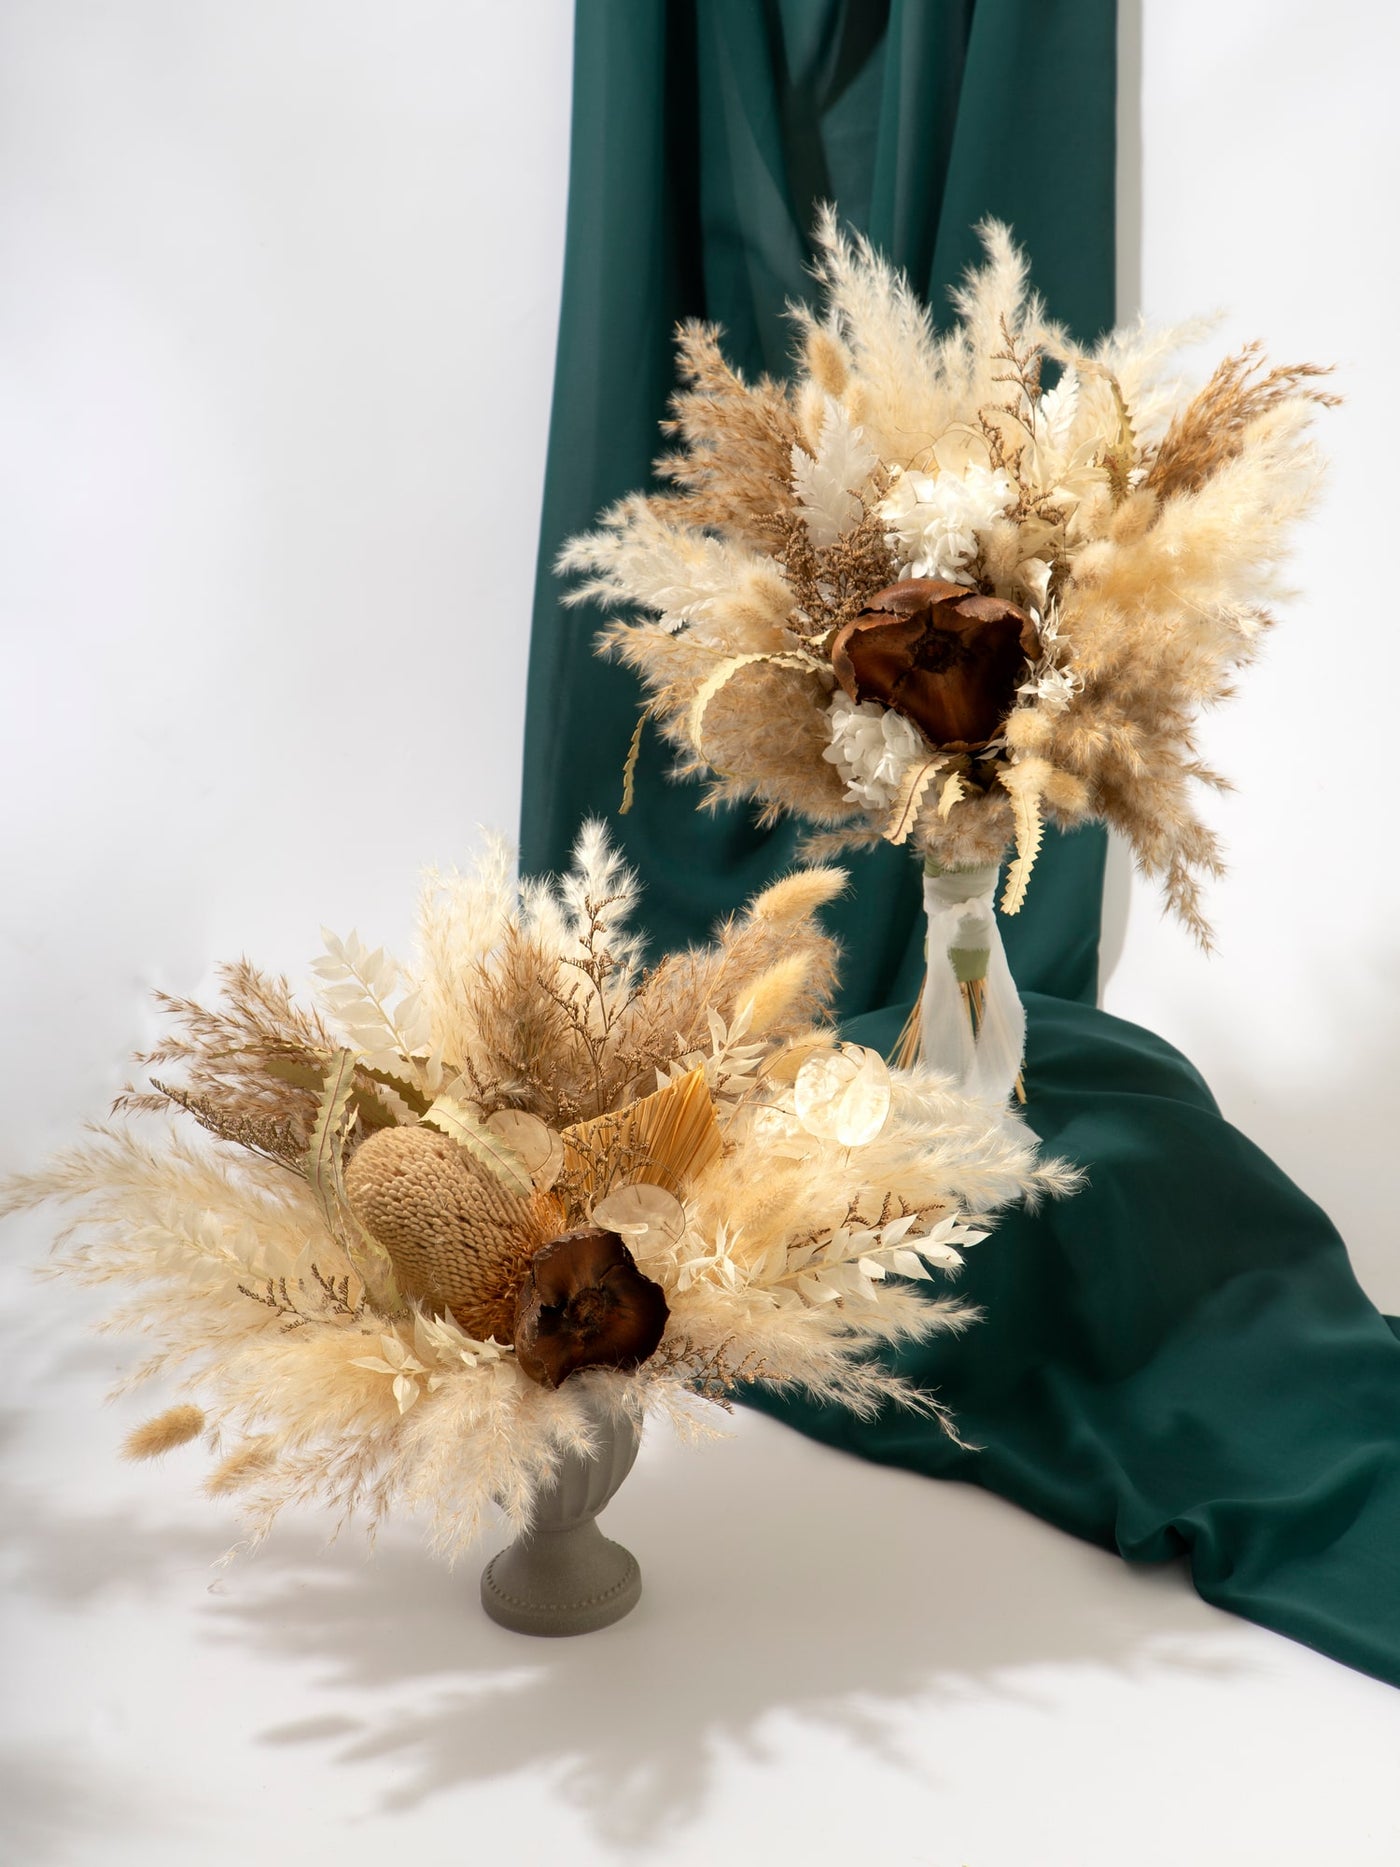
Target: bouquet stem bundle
968 1021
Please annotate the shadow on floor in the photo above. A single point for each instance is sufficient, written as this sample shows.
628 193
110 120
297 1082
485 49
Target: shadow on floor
784 1582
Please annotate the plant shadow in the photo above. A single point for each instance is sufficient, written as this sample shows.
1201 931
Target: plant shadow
783 1581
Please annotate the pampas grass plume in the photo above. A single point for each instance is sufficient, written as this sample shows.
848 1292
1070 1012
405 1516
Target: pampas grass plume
773 996
248 1461
798 896
175 1427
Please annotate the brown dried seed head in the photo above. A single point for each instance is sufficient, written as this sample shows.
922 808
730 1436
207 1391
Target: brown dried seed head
946 658
584 1304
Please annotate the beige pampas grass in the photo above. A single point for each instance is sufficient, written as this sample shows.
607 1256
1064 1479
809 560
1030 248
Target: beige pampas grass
1142 529
345 1311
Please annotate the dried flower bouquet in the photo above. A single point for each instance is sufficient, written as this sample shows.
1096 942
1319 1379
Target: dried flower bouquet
918 595
414 1238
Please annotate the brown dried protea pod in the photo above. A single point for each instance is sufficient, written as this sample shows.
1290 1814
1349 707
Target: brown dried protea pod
584 1304
946 658
458 1239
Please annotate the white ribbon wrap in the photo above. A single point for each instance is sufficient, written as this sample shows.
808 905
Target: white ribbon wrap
961 909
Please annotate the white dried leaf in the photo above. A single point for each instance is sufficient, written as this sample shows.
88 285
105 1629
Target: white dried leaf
533 1142
818 1289
909 1264
644 1213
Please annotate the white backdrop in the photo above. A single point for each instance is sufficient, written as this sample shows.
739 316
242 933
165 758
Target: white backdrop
276 341
1268 158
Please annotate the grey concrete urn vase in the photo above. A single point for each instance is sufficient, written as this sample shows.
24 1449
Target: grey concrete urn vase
564 1576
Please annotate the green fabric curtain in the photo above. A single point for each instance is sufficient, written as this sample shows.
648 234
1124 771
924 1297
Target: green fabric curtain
1178 1361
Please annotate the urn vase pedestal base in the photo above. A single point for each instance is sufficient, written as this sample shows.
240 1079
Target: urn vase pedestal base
564 1576
565 1582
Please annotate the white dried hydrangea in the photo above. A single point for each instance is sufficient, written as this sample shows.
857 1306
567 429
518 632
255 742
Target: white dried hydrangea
937 517
872 747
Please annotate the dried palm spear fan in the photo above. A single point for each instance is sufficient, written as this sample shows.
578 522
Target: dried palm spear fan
919 594
415 1237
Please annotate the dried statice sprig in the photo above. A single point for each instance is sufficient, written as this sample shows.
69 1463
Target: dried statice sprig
1140 529
794 1199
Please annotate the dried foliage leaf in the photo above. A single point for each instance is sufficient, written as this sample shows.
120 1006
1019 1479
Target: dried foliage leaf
323 1157
629 768
910 799
1029 831
324 1169
474 1137
950 794
668 1138
827 484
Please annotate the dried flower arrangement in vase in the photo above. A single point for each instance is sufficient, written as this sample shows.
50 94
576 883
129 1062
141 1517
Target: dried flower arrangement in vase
917 595
442 1239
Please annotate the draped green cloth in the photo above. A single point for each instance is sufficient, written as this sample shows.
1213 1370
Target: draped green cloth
1178 1361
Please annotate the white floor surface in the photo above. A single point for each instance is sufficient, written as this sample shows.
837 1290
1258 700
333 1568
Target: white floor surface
831 1663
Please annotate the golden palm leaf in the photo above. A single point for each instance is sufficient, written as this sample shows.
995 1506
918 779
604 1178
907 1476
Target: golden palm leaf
666 1139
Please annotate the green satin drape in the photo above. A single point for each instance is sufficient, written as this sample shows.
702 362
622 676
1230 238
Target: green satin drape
1178 1360
705 133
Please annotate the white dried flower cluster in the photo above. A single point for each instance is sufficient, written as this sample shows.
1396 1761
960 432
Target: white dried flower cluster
872 747
1052 688
937 517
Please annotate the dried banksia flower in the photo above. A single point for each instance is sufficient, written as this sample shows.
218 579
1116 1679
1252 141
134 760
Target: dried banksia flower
946 658
584 1304
175 1427
458 1239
